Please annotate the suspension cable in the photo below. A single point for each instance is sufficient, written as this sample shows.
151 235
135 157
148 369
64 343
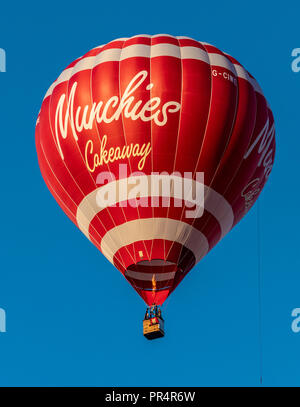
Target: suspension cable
259 277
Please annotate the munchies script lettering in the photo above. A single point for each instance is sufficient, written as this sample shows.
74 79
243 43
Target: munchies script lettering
83 118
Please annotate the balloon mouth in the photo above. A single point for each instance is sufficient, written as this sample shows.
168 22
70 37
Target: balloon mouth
154 277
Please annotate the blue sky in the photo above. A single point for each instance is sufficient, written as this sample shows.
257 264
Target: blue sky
72 320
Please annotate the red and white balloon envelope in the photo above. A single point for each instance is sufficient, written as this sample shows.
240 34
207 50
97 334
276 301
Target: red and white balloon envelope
155 147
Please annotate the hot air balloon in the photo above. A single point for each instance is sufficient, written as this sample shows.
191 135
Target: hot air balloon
155 147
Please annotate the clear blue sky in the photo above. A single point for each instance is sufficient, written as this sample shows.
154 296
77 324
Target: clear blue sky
72 319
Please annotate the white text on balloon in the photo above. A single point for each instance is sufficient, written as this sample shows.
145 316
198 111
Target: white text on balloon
126 105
